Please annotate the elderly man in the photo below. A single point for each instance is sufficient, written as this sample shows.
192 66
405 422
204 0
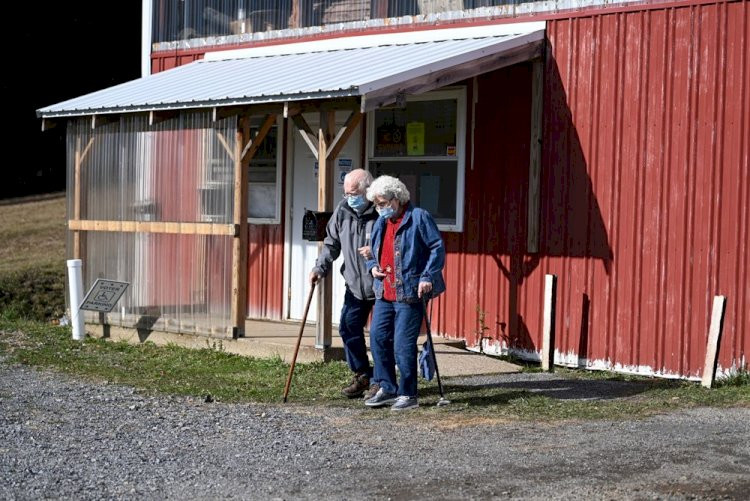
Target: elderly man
348 231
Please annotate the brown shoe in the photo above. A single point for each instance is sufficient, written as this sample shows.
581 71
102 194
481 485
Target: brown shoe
372 391
357 386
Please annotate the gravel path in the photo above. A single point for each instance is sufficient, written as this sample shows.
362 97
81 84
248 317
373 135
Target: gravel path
66 439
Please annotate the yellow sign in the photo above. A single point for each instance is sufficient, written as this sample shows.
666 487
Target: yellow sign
415 138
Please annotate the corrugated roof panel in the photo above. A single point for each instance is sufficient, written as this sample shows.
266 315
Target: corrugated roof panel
300 76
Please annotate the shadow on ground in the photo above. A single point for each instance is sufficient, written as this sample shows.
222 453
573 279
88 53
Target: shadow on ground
548 385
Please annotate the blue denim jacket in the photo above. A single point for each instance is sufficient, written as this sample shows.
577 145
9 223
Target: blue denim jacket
419 255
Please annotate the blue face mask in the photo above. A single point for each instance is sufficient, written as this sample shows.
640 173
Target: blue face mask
356 202
386 212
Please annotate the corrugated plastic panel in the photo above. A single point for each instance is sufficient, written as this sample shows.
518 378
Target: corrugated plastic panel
135 172
645 196
281 77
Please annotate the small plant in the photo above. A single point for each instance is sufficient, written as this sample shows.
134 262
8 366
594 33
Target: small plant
740 377
481 315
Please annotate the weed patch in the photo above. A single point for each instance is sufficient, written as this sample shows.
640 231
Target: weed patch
36 293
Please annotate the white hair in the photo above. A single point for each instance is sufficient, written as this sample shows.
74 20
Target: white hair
388 187
362 177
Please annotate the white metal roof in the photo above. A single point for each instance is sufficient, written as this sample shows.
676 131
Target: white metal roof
373 73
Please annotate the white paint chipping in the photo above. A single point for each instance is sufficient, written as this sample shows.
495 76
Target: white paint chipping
571 359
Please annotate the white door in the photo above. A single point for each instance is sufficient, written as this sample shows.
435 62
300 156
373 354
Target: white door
305 196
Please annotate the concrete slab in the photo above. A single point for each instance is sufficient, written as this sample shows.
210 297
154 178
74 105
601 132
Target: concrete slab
280 338
266 339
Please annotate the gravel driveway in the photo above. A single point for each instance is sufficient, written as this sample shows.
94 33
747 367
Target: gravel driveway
66 439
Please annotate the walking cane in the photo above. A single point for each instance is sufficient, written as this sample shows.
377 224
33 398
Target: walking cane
443 401
299 340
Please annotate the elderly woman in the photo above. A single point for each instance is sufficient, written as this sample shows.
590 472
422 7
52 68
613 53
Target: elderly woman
407 258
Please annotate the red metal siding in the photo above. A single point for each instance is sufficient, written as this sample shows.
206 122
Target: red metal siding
645 196
265 272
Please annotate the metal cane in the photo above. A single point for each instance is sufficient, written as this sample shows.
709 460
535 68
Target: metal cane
443 401
299 340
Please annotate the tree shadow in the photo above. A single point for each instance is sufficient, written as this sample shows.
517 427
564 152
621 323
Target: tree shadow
558 389
497 226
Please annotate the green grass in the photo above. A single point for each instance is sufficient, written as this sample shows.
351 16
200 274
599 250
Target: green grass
232 378
32 264
168 369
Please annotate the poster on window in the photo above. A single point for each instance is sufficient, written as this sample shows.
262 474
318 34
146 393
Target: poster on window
415 138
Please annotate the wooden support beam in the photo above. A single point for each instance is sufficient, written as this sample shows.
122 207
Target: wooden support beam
326 133
344 134
714 339
239 243
254 143
177 228
307 134
223 112
225 144
535 157
77 237
86 150
548 334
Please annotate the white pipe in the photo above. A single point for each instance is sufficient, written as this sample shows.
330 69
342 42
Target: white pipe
75 285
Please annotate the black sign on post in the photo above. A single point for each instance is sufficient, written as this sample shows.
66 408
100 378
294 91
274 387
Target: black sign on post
314 225
103 295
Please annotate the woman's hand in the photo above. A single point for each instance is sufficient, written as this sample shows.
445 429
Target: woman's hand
365 252
377 273
425 288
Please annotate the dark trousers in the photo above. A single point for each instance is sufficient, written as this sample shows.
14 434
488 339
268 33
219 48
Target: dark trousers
354 316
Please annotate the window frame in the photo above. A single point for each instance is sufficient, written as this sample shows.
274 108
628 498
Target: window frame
459 94
276 219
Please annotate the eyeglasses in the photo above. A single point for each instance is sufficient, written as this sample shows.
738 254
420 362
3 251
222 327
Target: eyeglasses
384 203
347 195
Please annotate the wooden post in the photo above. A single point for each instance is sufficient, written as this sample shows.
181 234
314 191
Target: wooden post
714 338
535 155
79 240
77 199
295 16
239 242
326 163
548 339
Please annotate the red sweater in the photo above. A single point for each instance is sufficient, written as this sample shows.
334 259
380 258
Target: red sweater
387 261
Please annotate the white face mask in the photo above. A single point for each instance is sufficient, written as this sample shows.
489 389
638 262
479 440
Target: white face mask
386 211
356 202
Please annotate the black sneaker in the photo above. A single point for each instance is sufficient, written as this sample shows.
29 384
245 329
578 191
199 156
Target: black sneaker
374 387
357 386
380 399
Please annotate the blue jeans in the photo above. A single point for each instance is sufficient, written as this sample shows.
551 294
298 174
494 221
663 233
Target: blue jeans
352 330
393 342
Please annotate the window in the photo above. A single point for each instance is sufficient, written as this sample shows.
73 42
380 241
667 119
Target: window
264 174
422 144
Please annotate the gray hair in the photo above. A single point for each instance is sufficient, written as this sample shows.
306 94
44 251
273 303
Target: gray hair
388 187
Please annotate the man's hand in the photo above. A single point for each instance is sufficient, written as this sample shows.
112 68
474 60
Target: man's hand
377 273
314 277
425 288
365 252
